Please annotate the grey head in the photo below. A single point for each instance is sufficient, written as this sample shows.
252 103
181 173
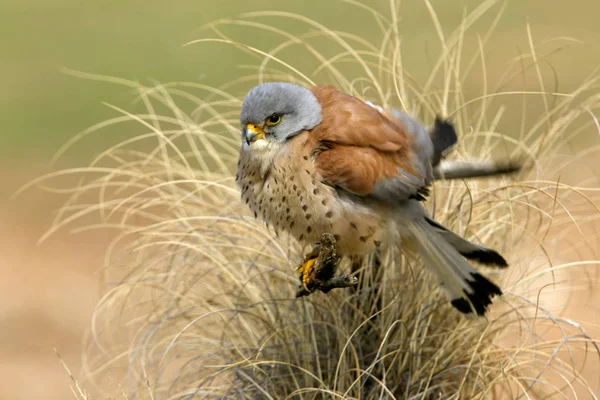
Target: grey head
277 111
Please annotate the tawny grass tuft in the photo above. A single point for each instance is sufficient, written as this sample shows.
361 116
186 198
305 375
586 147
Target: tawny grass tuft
199 299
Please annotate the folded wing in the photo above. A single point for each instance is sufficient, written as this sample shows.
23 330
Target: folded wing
367 153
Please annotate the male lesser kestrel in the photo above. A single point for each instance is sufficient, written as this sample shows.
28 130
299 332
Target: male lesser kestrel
317 161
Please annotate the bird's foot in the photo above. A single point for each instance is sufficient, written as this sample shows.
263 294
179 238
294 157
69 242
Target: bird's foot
305 270
318 268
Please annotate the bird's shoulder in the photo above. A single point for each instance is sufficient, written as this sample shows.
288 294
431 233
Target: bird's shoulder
359 149
347 120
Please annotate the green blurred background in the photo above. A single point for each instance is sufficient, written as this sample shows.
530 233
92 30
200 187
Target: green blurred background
142 40
47 292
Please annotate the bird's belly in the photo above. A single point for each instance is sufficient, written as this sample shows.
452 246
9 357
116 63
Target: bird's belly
306 208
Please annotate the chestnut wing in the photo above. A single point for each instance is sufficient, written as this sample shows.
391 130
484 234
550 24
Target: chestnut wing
365 153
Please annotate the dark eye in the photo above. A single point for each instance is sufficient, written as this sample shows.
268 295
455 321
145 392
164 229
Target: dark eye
273 120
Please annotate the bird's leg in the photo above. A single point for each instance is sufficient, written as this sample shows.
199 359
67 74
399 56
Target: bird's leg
318 269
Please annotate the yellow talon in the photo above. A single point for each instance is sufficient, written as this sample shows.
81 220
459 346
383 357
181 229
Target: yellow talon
305 269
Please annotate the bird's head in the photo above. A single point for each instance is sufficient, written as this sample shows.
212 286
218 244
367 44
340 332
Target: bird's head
274 112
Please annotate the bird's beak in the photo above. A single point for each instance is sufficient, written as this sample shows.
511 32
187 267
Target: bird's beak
253 132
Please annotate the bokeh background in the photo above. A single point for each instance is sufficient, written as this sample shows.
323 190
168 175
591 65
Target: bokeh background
48 290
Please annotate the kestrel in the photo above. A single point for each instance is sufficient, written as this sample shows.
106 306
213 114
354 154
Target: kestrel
319 161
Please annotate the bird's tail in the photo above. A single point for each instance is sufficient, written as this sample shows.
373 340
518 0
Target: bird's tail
474 168
444 253
472 251
444 138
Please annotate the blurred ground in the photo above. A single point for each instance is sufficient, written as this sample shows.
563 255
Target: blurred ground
48 292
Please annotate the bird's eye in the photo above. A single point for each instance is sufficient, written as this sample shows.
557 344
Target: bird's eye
273 120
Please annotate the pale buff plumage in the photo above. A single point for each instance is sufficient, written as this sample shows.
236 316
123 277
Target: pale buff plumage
289 195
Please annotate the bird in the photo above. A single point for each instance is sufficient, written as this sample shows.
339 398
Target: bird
317 161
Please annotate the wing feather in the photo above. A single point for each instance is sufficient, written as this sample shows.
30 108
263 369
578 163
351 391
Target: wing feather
362 151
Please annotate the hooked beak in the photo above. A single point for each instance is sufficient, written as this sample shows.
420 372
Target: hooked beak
252 133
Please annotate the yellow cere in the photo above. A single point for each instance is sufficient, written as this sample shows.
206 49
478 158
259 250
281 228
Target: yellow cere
257 130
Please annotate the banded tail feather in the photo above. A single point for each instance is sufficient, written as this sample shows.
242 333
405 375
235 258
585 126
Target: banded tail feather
467 290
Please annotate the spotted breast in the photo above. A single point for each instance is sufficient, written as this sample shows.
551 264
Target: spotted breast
289 194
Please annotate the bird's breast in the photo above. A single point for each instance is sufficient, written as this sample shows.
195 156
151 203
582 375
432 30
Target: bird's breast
291 197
